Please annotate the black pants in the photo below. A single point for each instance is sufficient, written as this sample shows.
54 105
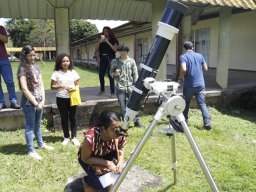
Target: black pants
105 62
67 113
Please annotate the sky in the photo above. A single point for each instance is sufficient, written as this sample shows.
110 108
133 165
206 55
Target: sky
99 23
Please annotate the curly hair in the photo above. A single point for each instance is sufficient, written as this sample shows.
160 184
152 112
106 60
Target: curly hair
110 32
59 59
28 70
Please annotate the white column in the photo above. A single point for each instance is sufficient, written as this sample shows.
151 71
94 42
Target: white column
224 46
62 30
157 12
186 29
50 55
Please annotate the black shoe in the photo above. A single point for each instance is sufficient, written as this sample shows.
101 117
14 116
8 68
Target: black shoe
2 106
138 125
15 106
208 127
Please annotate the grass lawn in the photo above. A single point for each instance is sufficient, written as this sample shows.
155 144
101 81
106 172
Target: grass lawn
229 151
88 78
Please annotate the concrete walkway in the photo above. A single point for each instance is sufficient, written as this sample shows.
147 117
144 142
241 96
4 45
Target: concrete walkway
237 80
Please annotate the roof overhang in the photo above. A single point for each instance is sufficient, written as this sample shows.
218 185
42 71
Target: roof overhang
131 10
245 4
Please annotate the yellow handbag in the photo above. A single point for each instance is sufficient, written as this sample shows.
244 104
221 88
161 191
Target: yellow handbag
75 98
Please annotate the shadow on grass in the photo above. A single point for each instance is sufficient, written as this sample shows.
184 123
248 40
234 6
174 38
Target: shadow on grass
238 111
52 139
17 149
166 188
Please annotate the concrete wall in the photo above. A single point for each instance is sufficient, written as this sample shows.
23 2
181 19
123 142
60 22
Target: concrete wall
89 111
243 52
243 40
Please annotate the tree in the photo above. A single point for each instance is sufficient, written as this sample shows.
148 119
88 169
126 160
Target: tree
19 30
80 29
43 34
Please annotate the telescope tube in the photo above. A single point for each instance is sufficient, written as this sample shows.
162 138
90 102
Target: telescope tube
167 28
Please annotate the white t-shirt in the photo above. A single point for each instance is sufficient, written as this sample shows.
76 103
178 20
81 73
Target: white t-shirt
65 78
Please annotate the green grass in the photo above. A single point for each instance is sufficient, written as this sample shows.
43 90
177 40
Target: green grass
88 77
229 151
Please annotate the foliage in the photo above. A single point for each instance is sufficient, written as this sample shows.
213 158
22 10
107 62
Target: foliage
19 31
80 29
43 33
229 151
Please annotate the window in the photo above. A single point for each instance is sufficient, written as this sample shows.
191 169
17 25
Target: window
141 50
78 54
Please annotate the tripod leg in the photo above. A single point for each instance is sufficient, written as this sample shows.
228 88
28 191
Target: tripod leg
134 156
174 167
196 151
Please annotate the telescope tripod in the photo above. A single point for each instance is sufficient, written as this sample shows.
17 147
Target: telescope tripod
172 106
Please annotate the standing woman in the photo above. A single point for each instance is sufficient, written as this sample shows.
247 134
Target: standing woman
33 99
65 80
106 51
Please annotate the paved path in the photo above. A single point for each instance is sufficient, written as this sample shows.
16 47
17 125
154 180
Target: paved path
237 79
135 181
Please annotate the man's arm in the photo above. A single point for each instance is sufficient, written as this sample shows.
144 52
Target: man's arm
183 70
205 67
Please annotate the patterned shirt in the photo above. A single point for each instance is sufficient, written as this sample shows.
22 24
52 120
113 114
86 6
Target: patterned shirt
3 52
99 147
129 72
36 83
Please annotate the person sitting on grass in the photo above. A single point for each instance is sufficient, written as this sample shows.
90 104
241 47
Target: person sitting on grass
102 150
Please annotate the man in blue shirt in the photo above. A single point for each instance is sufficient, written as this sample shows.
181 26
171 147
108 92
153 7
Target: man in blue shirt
192 65
6 73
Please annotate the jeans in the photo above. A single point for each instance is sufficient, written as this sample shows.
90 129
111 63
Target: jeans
123 97
198 92
6 72
67 113
105 62
33 119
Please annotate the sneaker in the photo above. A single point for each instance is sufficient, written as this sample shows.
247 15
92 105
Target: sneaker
2 106
65 141
138 125
75 141
112 95
35 155
101 93
208 127
15 105
45 146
